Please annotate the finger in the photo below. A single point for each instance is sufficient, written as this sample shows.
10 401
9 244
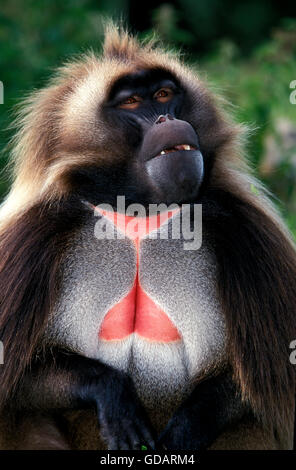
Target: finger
146 435
113 443
124 445
134 438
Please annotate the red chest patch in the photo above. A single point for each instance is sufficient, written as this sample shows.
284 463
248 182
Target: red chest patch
137 312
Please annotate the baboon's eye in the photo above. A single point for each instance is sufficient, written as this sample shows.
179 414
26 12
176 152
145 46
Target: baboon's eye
163 95
132 102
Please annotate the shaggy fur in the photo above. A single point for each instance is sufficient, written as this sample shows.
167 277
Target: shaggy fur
63 135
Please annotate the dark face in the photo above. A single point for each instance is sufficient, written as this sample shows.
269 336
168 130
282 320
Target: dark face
165 150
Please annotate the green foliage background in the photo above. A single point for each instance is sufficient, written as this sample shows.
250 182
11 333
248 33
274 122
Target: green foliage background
247 51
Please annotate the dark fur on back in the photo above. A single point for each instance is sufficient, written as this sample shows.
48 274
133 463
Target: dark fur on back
30 251
257 285
257 261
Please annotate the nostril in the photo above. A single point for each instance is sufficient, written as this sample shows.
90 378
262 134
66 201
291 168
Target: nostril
160 119
163 118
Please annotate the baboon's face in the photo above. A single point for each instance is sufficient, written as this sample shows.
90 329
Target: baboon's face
163 148
152 139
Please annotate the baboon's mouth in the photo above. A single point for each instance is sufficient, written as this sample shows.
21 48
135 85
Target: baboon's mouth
176 148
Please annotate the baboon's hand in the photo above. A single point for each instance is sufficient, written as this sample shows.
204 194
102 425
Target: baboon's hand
212 406
122 419
184 432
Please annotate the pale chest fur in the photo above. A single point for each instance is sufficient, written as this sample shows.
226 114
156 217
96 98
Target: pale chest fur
112 289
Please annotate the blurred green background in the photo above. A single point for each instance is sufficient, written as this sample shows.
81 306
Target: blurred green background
246 49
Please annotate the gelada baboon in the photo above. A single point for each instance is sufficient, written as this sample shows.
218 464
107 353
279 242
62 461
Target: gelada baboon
129 341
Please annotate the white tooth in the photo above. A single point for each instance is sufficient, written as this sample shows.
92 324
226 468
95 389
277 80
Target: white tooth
162 152
186 147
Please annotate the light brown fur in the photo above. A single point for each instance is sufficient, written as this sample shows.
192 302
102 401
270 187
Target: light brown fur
58 132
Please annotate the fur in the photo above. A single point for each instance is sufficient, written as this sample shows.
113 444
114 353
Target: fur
99 273
62 135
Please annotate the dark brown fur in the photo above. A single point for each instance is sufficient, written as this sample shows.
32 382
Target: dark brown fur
257 285
31 251
257 261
